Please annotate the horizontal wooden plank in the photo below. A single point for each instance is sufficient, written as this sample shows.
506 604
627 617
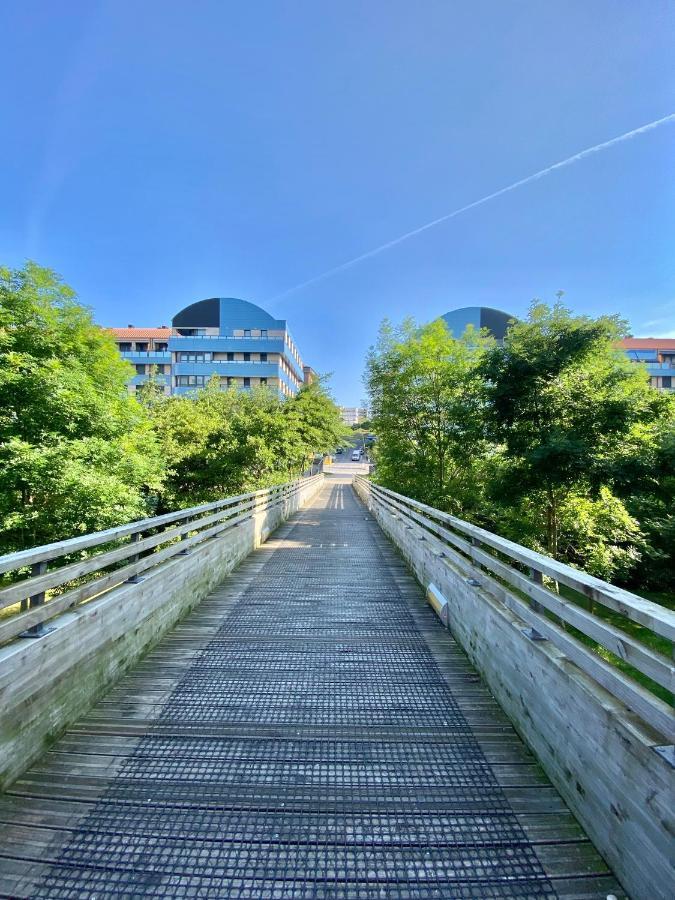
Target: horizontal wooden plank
645 612
47 552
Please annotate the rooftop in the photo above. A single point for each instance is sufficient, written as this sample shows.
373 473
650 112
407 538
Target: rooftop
131 332
648 343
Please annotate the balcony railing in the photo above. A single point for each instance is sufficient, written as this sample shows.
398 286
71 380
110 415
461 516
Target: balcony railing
147 354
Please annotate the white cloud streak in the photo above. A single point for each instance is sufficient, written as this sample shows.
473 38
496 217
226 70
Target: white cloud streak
643 129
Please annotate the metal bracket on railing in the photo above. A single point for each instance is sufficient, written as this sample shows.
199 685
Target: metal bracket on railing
533 634
667 752
39 630
474 582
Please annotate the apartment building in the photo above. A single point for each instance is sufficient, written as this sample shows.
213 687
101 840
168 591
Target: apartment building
353 415
145 348
238 342
658 355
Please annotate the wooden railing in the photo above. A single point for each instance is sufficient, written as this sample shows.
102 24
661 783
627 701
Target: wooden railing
528 583
51 579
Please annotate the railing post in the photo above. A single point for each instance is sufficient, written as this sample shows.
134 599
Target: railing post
186 534
135 538
537 578
36 631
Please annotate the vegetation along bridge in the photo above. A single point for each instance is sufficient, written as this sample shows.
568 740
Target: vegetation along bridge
320 726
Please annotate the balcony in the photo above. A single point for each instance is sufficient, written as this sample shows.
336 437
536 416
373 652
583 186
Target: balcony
223 368
219 343
147 356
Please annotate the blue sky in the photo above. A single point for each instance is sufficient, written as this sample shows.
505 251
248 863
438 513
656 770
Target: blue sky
156 153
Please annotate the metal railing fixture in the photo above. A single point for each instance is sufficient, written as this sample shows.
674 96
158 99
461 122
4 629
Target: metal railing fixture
146 354
126 552
527 582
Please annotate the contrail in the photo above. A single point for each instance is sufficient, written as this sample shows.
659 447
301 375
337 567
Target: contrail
456 212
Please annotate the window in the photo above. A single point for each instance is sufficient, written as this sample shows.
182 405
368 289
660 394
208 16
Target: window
124 347
247 357
263 381
263 332
141 347
230 357
191 380
263 357
195 357
247 382
140 369
247 332
231 381
667 381
161 347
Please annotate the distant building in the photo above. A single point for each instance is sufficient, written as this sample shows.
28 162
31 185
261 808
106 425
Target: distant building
144 348
353 415
238 342
495 320
309 374
658 355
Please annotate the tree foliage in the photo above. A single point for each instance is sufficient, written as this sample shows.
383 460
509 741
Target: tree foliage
563 402
553 439
425 398
217 442
76 452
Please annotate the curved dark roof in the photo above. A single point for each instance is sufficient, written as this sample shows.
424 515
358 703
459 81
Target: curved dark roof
225 313
203 314
495 320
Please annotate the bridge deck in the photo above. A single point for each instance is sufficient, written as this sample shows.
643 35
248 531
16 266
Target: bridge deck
311 731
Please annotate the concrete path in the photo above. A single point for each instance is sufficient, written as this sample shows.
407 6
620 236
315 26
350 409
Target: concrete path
311 731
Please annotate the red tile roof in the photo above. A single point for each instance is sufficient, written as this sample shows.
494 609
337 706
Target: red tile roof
649 343
141 332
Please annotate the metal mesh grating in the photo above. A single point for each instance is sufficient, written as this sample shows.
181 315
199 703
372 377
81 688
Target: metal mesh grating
311 750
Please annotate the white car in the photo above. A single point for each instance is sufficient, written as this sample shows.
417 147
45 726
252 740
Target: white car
356 456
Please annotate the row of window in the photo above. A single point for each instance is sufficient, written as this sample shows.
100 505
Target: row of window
161 369
208 357
203 380
142 347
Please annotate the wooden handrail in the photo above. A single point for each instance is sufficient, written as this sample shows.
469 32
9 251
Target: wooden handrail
471 549
47 552
198 523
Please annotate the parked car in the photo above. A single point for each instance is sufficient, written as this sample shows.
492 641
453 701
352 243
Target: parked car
356 455
339 450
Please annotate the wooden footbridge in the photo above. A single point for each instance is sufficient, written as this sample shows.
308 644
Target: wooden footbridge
312 728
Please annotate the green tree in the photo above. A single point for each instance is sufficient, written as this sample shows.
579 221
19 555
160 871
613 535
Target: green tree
562 403
77 453
316 420
425 401
219 442
645 478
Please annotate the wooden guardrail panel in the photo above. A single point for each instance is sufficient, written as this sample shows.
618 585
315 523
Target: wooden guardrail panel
600 736
196 524
634 607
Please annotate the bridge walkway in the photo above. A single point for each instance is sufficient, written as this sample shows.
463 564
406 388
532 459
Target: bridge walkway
310 731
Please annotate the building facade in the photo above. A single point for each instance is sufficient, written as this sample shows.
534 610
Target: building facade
145 348
238 342
353 415
658 355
